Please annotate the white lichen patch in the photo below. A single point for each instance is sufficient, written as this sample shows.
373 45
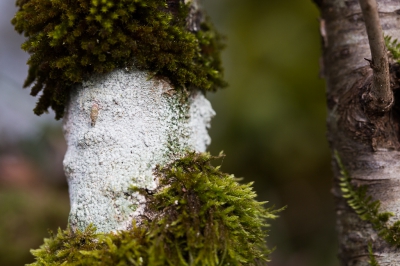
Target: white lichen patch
118 127
200 113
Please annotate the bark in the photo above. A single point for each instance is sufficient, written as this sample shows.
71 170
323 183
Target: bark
118 127
368 142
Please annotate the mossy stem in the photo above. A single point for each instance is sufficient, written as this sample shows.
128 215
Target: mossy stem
380 97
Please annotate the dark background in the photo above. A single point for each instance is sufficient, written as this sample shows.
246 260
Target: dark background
270 123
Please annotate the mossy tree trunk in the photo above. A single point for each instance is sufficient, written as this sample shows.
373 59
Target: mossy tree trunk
367 141
119 126
129 78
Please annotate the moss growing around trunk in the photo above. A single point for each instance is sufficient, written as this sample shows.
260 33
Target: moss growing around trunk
71 40
197 216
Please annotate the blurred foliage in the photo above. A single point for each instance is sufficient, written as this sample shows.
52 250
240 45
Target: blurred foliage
33 194
270 122
26 217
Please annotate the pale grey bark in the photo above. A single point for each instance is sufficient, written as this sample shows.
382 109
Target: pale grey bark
140 123
367 142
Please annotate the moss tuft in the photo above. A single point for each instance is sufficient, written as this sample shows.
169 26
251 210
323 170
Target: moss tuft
70 41
197 216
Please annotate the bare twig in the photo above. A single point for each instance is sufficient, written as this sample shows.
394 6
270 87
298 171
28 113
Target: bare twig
380 97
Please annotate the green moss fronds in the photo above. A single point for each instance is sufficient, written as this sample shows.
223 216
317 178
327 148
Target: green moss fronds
393 47
89 248
372 259
198 216
222 221
71 40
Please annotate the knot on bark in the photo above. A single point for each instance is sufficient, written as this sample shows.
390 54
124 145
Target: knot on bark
375 105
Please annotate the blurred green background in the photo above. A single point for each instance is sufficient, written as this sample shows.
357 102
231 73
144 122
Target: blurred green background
270 123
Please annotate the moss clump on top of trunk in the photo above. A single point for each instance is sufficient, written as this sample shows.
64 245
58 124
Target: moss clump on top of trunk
71 40
198 216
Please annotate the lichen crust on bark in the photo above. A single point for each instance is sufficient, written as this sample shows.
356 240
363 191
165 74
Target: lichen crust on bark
140 123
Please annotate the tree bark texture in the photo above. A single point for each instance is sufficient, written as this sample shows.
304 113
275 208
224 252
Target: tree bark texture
367 142
118 127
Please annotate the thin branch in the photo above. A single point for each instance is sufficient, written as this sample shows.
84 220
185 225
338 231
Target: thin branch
380 97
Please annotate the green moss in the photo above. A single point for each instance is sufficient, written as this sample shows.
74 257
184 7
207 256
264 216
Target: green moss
71 40
372 259
393 47
197 216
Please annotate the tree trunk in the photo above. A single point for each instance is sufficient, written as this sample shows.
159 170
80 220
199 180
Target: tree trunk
367 142
118 127
133 163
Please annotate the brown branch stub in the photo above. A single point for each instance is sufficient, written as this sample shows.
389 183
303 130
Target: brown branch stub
379 97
